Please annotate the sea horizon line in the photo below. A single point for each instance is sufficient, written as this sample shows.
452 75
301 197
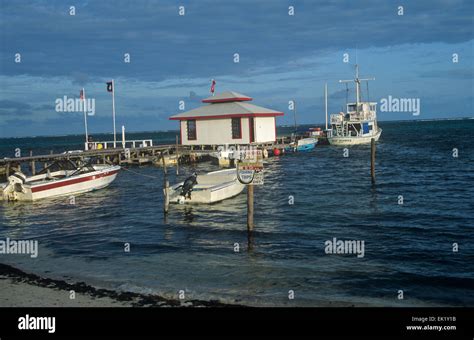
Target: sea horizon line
278 126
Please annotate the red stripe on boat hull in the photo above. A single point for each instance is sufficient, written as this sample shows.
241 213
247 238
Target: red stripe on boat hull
71 181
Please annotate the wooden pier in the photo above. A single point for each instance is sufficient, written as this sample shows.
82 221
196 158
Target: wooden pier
151 154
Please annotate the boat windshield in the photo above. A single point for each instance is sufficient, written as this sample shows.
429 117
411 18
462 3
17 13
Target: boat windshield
58 166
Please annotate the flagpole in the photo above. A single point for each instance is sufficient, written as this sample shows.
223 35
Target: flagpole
85 117
113 112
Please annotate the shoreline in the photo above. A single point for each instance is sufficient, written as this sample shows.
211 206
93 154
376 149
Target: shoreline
21 289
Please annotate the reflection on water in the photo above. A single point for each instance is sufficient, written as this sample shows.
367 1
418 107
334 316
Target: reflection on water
188 214
192 247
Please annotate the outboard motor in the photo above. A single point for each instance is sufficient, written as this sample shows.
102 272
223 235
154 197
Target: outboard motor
15 184
188 186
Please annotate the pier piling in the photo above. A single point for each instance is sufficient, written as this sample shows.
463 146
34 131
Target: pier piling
177 156
32 164
372 160
250 208
167 198
250 224
166 185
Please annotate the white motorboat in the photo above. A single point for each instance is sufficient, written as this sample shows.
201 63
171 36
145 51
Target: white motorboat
59 179
304 144
210 188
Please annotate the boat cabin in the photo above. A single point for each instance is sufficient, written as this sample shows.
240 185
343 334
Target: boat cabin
355 123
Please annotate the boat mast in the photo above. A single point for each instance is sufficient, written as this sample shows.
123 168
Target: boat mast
357 88
294 115
357 80
326 103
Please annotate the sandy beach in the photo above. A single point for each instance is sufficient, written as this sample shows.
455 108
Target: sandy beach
20 289
14 293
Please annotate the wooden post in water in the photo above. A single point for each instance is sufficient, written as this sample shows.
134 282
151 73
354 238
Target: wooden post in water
177 156
7 170
372 160
32 164
167 197
250 208
250 224
166 185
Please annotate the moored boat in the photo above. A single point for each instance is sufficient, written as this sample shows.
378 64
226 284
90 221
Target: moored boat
59 179
209 188
358 125
304 144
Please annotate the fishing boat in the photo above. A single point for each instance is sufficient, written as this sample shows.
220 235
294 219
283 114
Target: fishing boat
209 188
60 178
358 125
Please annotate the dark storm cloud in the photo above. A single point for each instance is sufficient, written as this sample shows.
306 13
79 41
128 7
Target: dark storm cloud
11 108
202 43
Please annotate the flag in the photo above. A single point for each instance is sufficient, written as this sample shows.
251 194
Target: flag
110 86
82 94
213 86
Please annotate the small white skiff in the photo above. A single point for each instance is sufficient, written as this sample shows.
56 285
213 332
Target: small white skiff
59 179
210 188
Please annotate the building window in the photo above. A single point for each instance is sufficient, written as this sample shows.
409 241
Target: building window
236 128
191 127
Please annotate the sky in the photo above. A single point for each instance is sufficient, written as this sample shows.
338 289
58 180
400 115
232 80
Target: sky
426 54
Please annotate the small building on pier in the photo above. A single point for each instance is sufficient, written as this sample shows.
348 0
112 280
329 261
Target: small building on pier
228 118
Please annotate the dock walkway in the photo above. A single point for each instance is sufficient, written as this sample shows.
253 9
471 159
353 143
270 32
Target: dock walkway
126 156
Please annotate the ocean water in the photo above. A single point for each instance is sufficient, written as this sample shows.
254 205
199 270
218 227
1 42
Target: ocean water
408 247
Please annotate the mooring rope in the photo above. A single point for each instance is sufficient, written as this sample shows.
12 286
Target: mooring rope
137 173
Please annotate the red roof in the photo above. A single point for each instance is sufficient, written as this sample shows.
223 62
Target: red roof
226 105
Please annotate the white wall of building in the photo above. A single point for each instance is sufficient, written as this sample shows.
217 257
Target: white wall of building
219 131
215 131
264 129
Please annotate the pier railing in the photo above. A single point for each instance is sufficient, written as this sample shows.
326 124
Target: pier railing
119 144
